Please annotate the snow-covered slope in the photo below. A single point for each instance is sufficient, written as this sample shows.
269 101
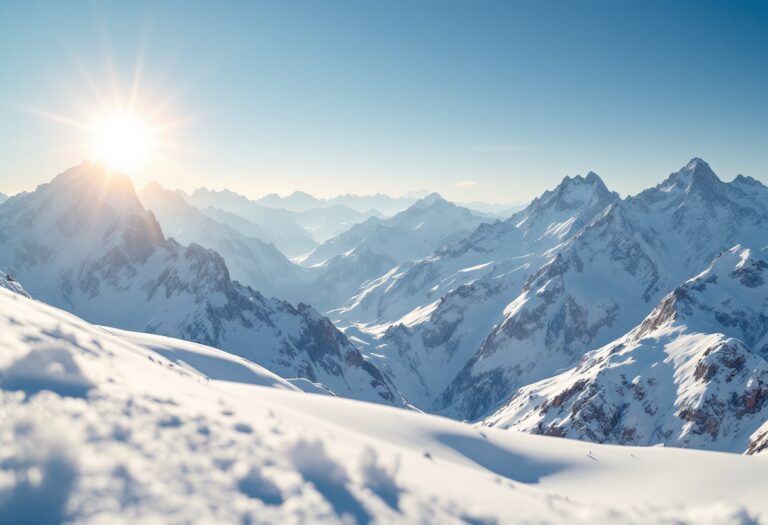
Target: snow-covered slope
104 429
693 373
249 260
371 248
605 280
84 242
523 242
273 225
3 197
424 321
210 363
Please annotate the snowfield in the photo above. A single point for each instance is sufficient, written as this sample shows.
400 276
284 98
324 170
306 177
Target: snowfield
106 426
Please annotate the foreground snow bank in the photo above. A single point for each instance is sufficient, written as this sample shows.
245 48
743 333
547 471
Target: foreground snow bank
121 428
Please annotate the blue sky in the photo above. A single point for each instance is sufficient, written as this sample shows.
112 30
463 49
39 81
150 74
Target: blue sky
478 100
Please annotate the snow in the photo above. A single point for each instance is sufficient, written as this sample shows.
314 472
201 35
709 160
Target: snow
211 362
250 260
344 265
85 243
154 442
692 374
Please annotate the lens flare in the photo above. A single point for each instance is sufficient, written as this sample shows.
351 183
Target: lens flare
121 140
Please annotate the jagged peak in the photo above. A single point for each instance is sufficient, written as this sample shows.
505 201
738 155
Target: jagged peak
225 192
746 180
573 191
695 178
697 174
97 186
430 200
591 178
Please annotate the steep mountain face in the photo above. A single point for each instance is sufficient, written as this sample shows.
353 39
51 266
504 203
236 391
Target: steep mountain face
605 280
692 216
515 247
3 197
83 242
692 374
249 260
369 249
424 321
595 288
274 225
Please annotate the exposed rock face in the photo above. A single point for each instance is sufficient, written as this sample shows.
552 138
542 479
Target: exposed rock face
445 305
605 279
9 283
692 374
85 243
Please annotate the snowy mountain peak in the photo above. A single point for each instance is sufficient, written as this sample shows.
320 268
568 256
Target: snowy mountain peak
576 191
699 173
88 208
430 200
696 176
746 179
96 186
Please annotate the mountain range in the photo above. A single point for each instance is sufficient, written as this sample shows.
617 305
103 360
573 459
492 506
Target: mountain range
255 220
518 301
583 315
85 243
370 249
693 373
379 203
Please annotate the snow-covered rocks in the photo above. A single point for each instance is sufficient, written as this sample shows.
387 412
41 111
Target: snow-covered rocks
692 374
85 243
9 283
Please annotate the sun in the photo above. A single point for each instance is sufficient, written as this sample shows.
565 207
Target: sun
122 140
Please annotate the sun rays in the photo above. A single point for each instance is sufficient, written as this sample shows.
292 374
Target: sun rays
124 123
121 140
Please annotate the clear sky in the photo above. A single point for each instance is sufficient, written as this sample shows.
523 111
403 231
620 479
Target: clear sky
478 100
